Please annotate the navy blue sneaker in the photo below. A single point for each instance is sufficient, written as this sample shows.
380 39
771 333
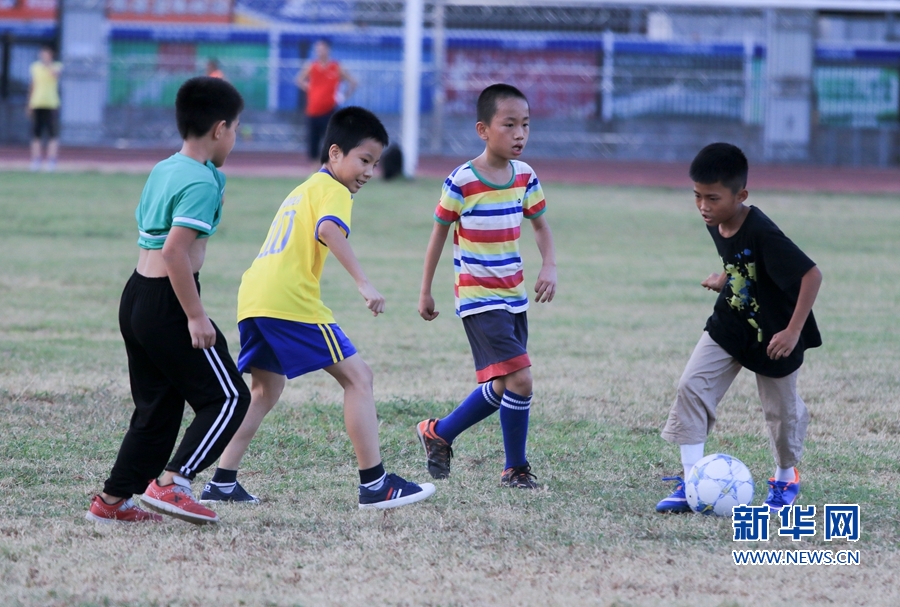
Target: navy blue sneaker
212 494
395 492
783 493
676 503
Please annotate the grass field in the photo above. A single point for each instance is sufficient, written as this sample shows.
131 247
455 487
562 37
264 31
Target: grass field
607 354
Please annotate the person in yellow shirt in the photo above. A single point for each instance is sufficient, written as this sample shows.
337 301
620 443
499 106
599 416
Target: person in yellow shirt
286 329
43 108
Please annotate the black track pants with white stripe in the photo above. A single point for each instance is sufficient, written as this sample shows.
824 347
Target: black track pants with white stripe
165 371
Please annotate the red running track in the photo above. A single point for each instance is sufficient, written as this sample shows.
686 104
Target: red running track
791 178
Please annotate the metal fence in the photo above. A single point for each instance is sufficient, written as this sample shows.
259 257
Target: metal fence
601 81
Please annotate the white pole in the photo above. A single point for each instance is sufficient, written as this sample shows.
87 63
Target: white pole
439 51
749 91
607 88
274 69
412 84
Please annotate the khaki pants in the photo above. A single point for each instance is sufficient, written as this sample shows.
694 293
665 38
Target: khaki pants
706 378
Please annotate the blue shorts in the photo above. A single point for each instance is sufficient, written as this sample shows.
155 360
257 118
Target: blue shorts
498 339
290 348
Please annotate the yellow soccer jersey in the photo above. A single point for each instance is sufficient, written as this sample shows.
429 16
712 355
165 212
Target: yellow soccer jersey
283 281
45 81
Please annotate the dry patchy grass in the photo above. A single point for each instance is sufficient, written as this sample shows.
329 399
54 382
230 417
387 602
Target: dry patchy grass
607 354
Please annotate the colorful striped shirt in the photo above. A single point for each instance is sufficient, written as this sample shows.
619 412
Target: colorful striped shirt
487 220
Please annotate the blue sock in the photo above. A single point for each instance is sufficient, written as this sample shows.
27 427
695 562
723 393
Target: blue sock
481 403
514 412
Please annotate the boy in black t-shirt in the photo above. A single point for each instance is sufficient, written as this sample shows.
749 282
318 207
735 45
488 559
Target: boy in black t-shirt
762 320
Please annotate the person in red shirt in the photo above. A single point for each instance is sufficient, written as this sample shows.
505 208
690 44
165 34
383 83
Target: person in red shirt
214 70
320 79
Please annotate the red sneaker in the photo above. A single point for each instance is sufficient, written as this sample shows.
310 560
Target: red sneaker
123 511
177 500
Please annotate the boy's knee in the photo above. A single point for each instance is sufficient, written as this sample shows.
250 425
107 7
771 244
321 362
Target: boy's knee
520 382
361 375
688 390
261 393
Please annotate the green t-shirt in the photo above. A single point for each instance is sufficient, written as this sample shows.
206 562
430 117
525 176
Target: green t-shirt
179 192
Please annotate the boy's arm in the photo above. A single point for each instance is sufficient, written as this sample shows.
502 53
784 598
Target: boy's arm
432 256
545 287
336 240
715 282
784 342
302 79
349 79
176 254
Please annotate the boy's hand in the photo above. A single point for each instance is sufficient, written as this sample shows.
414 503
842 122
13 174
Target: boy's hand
203 334
782 344
426 307
374 299
545 287
715 282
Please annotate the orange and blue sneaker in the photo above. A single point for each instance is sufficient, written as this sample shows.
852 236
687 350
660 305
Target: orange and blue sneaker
783 493
177 500
393 493
676 503
437 451
518 477
123 511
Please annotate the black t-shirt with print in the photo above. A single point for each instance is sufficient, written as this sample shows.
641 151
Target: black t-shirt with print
764 270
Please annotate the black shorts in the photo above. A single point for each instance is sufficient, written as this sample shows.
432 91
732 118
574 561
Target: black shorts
45 120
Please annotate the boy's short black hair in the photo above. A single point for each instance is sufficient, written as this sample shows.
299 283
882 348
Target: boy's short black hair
721 163
203 101
489 97
349 127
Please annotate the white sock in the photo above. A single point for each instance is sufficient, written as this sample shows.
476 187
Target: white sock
180 480
690 455
225 488
785 475
377 484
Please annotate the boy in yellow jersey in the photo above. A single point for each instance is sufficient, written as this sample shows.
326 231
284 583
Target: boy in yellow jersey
286 330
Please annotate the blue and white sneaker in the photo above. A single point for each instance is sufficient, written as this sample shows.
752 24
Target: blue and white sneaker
212 494
676 503
395 492
783 493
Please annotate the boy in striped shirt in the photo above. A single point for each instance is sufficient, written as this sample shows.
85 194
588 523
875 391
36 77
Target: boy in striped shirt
484 200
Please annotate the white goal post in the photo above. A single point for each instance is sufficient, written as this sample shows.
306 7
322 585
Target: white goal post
414 31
